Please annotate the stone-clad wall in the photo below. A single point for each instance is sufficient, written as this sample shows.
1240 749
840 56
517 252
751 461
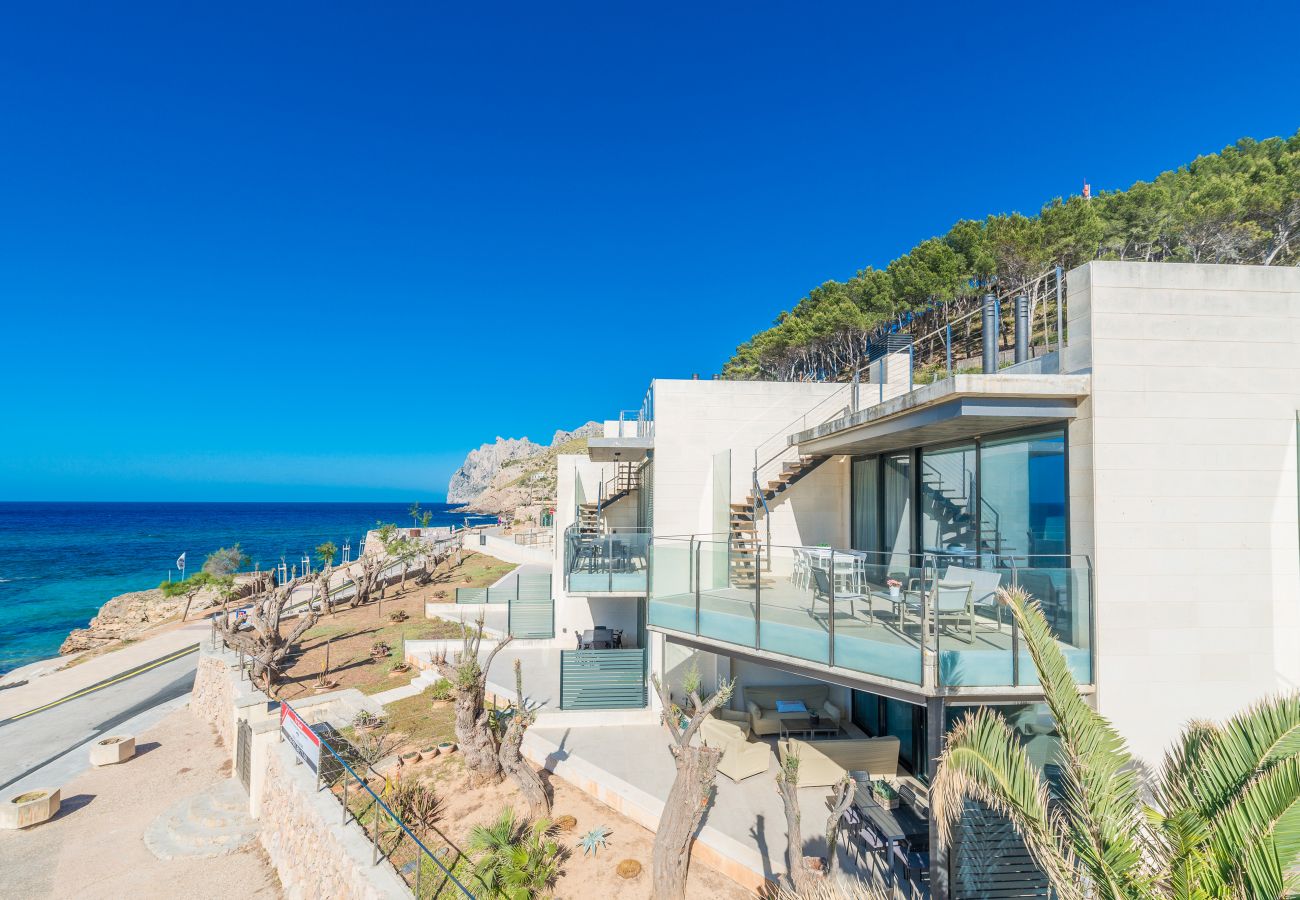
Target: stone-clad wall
213 698
312 851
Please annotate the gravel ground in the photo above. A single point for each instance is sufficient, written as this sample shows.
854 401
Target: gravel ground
95 847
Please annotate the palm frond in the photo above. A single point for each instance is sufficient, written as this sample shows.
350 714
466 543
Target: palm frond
983 760
1101 791
1256 838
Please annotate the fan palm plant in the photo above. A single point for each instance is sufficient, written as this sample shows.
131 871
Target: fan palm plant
514 859
1222 820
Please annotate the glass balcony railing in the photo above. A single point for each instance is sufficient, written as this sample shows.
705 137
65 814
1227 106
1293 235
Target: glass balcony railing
613 563
932 620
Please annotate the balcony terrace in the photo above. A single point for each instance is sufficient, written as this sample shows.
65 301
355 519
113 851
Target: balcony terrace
942 632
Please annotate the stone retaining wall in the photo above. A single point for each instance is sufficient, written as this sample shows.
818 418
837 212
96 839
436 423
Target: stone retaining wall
313 852
213 699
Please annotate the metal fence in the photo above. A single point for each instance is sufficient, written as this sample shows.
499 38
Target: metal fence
430 873
602 679
523 587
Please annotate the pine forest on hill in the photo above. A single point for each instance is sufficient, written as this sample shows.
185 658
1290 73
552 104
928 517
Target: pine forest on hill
1241 205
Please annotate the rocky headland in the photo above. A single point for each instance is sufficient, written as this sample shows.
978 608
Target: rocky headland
514 474
130 615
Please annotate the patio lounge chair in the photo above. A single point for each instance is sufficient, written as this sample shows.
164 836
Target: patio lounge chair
741 757
822 592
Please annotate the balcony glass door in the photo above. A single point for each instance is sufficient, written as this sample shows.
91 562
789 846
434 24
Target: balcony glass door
949 517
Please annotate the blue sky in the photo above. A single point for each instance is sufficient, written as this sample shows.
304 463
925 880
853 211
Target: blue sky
319 251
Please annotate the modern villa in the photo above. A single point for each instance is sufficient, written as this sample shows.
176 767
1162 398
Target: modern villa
836 548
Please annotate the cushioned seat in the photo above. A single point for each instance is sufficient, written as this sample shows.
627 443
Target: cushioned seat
760 704
741 757
824 763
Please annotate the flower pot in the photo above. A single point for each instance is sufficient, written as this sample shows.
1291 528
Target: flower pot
894 593
29 808
447 747
410 758
111 750
428 752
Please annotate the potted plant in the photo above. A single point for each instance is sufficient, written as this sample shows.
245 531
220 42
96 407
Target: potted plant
379 650
884 793
428 752
365 720
30 808
445 747
411 758
399 667
399 616
895 587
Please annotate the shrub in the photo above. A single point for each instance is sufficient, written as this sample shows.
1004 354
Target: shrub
441 690
513 858
415 803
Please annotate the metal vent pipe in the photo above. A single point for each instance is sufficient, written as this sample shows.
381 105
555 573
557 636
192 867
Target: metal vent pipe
992 318
1022 328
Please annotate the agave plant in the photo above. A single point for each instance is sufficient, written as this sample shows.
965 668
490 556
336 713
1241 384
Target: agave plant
593 840
1222 821
514 859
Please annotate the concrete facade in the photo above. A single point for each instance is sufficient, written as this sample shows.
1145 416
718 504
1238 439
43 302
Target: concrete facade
1183 487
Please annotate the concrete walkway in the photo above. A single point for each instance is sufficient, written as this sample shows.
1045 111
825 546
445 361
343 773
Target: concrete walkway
95 847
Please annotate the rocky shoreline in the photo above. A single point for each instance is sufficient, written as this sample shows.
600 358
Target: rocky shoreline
130 615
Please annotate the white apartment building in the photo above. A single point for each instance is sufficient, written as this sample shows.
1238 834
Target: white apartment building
1140 480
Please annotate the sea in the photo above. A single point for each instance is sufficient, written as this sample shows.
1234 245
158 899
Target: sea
59 562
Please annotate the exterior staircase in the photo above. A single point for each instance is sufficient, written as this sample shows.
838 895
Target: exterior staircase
949 499
625 480
743 536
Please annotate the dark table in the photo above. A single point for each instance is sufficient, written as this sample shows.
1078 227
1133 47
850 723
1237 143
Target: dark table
893 825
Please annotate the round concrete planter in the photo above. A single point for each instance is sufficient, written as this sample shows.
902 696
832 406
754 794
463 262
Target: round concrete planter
115 748
29 808
446 747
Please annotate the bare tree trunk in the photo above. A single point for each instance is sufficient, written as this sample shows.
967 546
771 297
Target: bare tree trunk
512 758
697 767
787 785
474 733
841 797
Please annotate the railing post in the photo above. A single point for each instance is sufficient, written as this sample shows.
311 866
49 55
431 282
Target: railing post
947 346
374 859
345 798
1015 634
419 864
857 372
830 654
696 554
758 597
1060 313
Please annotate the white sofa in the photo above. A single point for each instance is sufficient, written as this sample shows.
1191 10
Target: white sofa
760 704
728 730
823 763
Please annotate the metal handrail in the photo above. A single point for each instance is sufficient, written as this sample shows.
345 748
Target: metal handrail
380 804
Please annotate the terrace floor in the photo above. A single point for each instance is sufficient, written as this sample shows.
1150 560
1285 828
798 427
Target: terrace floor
869 636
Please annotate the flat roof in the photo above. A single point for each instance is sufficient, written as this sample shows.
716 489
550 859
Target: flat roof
963 406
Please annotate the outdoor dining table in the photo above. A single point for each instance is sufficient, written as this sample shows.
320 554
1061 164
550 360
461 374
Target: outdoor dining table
893 825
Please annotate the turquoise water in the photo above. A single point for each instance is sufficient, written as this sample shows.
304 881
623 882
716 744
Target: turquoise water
59 562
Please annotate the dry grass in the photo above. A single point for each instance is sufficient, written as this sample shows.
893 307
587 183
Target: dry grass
350 633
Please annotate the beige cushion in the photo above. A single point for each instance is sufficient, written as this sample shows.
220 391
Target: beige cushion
823 763
718 732
832 712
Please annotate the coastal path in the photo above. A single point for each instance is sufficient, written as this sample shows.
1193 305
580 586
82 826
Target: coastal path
49 723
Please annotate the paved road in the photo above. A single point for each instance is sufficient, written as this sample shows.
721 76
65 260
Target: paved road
49 745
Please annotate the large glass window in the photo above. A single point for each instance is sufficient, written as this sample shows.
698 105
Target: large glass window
897 524
866 494
878 716
1022 484
949 518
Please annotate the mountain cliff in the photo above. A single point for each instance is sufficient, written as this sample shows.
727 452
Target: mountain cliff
514 472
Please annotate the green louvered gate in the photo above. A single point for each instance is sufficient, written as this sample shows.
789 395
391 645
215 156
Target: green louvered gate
989 860
532 611
602 679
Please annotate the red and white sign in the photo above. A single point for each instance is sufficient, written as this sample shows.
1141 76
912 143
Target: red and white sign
305 741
